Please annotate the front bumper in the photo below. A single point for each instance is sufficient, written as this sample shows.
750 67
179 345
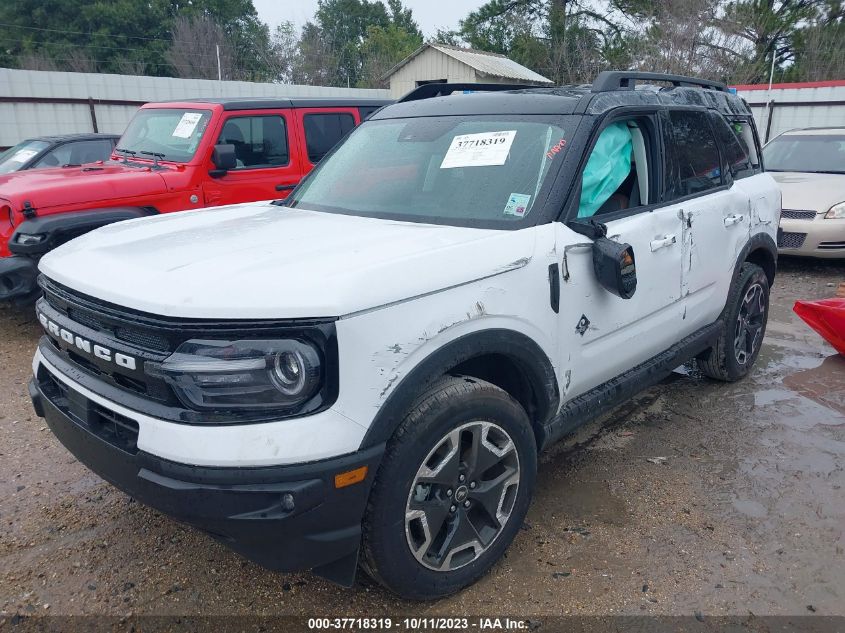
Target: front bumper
817 237
244 508
18 278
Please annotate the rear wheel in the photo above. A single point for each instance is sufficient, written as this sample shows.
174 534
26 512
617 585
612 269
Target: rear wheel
452 491
745 317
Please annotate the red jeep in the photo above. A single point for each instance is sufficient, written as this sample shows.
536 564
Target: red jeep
172 157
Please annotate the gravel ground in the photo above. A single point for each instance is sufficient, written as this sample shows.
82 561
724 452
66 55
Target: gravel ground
745 514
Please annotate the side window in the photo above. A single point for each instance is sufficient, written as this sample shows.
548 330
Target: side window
696 153
323 131
76 153
260 141
735 155
743 127
618 174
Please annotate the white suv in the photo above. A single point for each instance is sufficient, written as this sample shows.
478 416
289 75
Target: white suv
363 374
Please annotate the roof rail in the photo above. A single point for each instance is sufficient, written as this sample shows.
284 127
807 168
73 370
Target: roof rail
428 91
610 80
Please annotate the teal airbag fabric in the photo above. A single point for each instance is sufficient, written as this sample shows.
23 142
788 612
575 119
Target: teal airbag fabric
607 168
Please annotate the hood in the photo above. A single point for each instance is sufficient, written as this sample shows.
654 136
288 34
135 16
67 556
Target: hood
46 188
810 192
264 261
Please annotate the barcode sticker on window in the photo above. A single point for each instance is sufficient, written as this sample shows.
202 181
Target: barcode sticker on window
479 150
187 124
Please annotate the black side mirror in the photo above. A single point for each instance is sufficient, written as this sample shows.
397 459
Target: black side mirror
223 157
615 267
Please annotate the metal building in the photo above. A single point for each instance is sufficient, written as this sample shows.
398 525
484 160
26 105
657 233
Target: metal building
35 103
441 63
795 105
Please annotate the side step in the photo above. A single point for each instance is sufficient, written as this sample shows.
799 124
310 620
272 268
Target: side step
599 400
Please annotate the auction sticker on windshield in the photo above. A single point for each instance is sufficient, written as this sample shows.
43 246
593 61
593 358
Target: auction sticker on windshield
187 124
479 150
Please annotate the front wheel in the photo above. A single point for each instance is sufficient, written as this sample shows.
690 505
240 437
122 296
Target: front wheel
452 491
744 326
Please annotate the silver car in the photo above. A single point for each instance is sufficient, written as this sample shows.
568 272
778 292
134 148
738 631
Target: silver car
809 166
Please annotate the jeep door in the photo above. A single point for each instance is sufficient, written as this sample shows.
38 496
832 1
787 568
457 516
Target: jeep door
320 129
603 335
268 162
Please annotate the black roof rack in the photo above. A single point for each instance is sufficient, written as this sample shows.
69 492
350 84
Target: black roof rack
428 91
610 80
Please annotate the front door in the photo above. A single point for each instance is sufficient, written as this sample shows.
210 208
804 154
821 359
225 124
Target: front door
268 163
602 335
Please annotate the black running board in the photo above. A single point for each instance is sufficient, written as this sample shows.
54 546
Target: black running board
599 400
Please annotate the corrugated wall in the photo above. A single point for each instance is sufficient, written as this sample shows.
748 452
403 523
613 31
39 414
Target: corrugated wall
796 107
34 103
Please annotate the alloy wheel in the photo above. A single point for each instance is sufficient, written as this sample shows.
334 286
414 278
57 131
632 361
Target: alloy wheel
749 323
462 496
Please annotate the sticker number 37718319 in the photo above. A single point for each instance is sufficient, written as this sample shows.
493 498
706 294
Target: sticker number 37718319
479 150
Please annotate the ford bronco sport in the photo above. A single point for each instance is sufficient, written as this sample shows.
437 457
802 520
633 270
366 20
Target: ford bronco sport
364 373
172 157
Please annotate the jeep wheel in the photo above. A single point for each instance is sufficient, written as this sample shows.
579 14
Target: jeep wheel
745 318
452 491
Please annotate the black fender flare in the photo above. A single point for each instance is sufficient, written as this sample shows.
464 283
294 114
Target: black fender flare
762 250
523 351
59 228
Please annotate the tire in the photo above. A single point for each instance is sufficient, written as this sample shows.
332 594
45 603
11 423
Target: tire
747 310
460 427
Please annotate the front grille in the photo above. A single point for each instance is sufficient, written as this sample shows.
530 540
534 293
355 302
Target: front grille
831 246
119 332
118 430
791 240
793 214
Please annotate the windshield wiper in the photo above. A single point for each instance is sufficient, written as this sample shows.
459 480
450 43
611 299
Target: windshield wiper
125 153
156 157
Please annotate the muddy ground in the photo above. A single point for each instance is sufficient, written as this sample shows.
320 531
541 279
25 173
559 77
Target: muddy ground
745 515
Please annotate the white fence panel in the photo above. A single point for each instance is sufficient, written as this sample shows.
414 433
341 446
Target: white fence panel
35 103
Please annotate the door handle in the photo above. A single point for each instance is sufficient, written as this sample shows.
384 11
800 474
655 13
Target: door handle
285 187
666 240
734 219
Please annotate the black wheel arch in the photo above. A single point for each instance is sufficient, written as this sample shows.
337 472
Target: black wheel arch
762 250
506 358
59 228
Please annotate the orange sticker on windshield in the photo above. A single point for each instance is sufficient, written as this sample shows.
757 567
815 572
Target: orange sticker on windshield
554 151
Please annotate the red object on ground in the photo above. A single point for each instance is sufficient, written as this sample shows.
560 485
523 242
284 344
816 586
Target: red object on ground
827 317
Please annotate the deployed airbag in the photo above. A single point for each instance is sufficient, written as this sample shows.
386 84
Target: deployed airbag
607 168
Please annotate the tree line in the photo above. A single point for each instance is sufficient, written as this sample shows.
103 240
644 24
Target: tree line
356 42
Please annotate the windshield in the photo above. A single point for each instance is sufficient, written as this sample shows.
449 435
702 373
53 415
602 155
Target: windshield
485 171
822 153
15 157
173 134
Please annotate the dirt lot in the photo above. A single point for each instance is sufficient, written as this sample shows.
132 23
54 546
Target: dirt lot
745 514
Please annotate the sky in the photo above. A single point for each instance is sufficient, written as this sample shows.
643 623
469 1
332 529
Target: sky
429 14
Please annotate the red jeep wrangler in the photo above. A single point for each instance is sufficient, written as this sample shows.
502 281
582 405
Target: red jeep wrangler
172 157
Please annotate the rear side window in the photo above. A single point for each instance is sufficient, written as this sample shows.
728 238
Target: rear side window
696 153
260 141
323 131
736 159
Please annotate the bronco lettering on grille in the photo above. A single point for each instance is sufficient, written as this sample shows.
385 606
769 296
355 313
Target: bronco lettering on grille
84 345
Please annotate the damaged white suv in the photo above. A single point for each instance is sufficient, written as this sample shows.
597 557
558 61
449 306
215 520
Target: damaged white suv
363 374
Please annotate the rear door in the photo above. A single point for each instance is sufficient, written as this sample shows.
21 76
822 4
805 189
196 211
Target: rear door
714 211
320 129
268 160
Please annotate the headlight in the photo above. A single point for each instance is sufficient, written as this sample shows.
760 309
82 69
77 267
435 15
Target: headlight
837 212
256 375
